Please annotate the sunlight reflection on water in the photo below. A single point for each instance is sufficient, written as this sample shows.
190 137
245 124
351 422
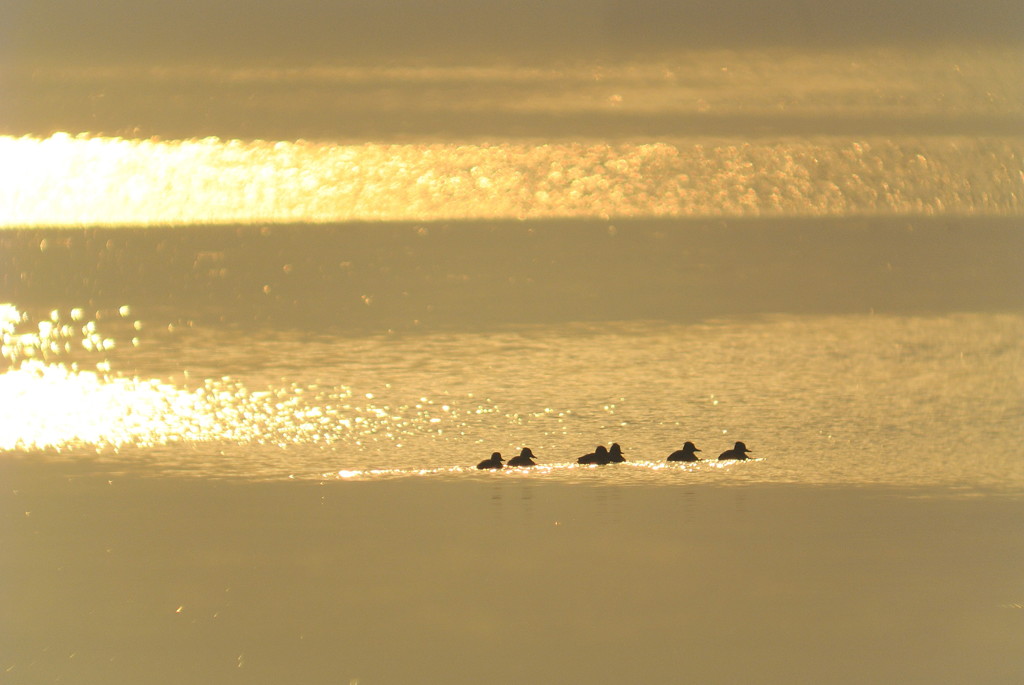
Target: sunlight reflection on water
821 399
73 181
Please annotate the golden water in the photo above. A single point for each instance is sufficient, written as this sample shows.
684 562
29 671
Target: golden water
823 399
88 181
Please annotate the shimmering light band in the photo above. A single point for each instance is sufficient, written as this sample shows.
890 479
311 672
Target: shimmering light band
81 180
374 408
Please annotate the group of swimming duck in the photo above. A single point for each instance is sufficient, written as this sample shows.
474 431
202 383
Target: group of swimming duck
613 455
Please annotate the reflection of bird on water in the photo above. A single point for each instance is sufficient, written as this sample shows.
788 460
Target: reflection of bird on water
598 456
685 454
525 458
615 454
738 451
493 463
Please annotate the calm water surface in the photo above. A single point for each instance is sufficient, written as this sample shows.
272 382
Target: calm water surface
272 285
360 272
880 399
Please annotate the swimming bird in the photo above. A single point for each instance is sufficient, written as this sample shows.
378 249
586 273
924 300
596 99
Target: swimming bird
685 454
738 451
493 463
598 456
615 454
525 458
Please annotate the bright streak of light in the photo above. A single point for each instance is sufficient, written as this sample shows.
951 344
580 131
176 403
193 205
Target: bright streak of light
81 180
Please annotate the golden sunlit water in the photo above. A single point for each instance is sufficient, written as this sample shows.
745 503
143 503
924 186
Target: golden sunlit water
847 398
694 134
274 279
83 180
748 93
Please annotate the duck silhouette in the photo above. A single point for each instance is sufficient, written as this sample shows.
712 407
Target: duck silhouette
615 454
493 463
738 451
685 454
598 456
525 458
